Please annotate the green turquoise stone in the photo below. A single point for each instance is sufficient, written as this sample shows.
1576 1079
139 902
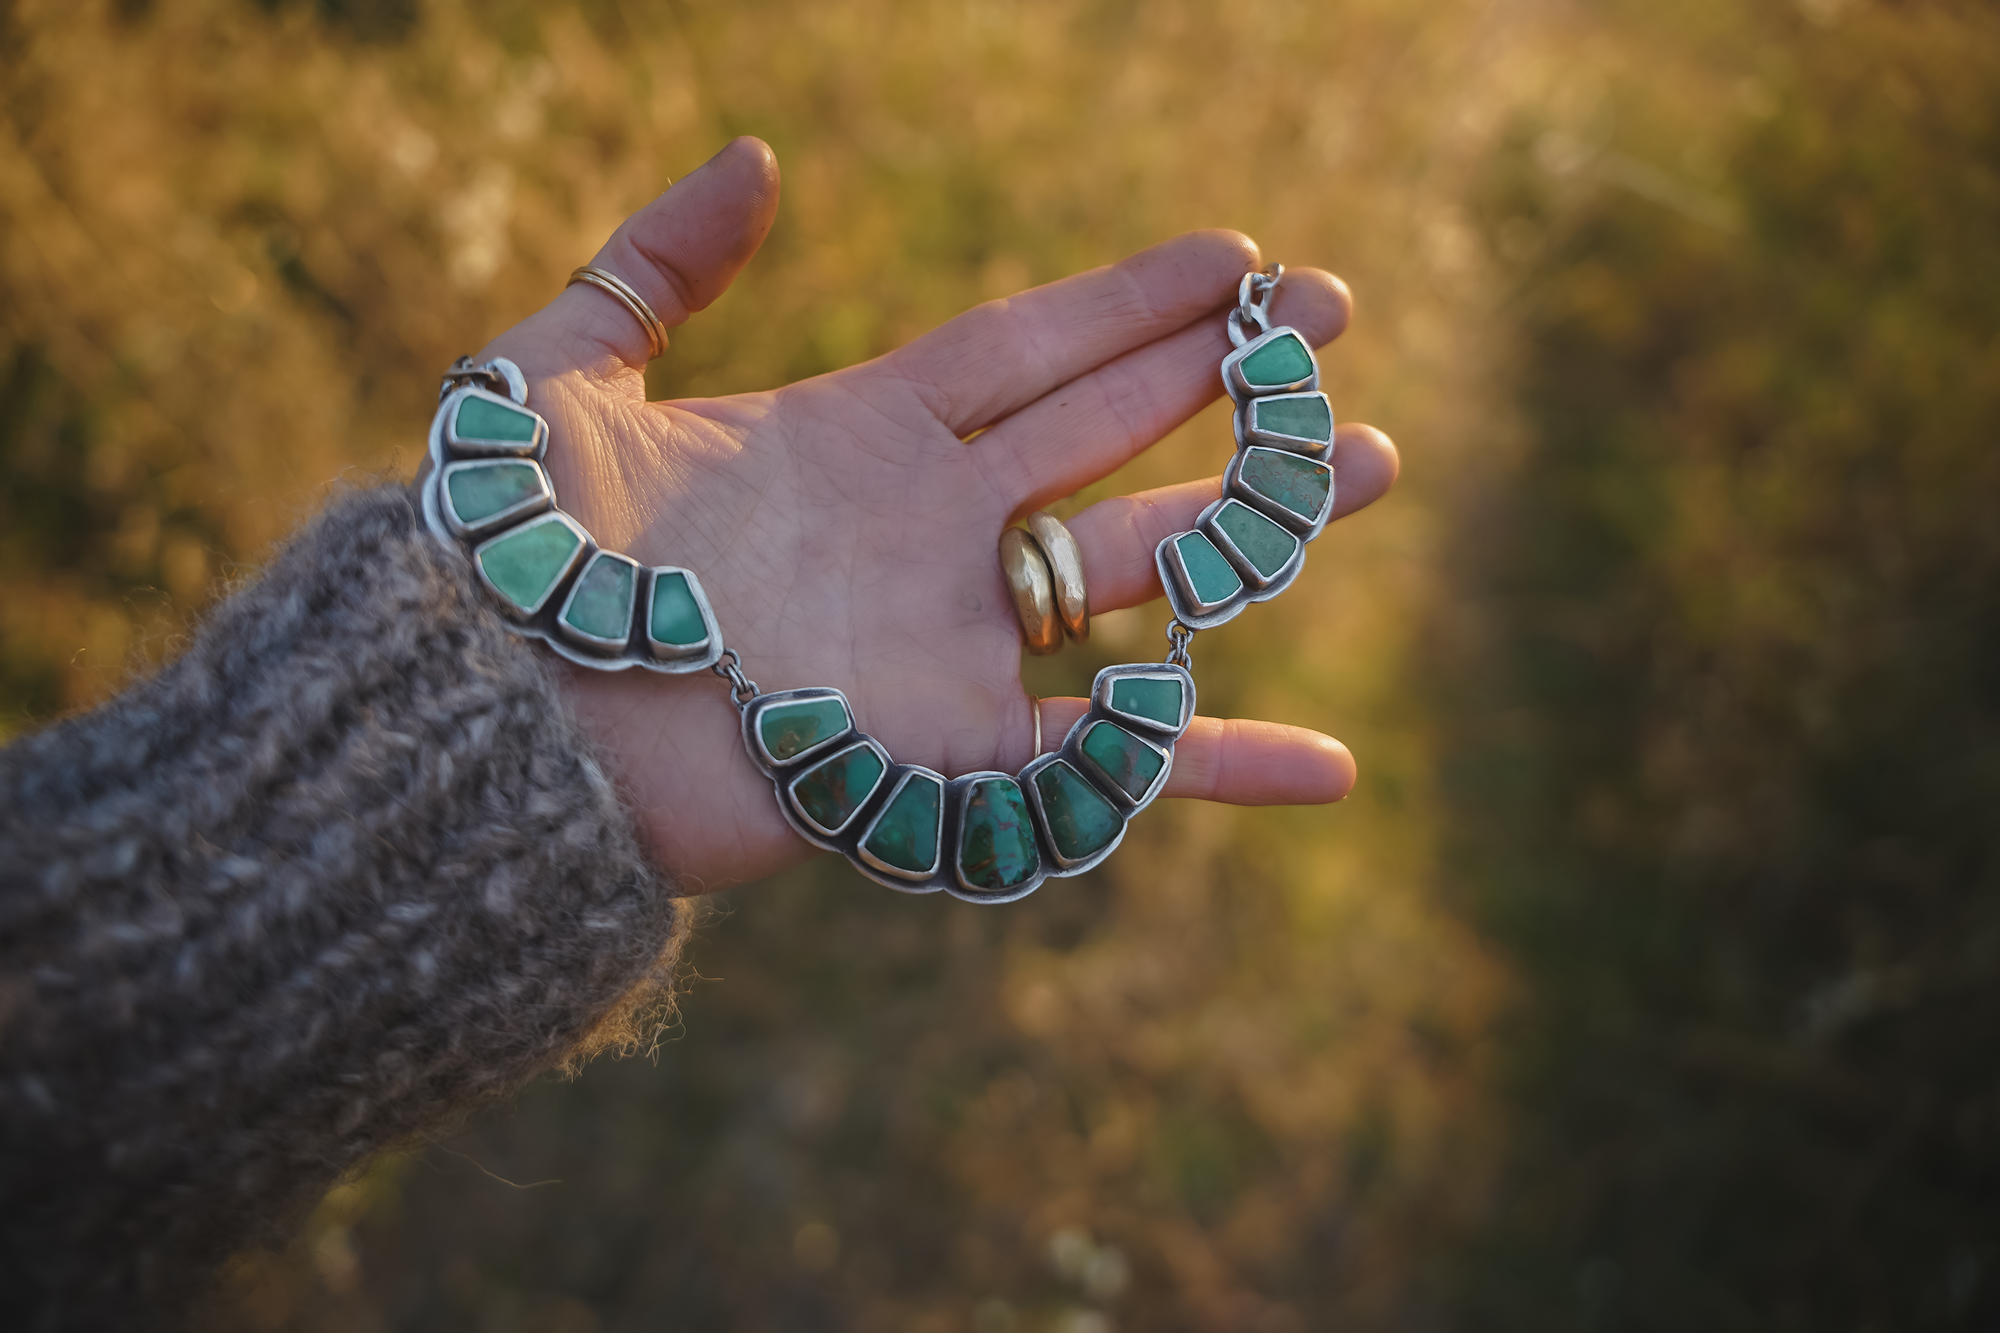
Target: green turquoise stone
1081 822
484 419
1123 757
1155 700
1214 581
676 616
789 730
526 564
996 841
480 492
831 791
1307 418
1299 484
1279 362
1266 545
906 834
601 606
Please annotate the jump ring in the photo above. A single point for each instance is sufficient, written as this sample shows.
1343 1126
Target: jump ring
621 291
1035 708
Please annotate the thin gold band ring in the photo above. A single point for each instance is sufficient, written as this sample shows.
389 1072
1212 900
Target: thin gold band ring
621 291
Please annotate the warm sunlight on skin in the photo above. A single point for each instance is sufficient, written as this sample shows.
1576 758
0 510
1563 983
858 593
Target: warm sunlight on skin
846 528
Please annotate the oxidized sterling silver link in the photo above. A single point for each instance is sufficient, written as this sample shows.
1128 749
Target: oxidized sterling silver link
621 291
1262 285
741 687
1249 545
496 376
487 495
1179 637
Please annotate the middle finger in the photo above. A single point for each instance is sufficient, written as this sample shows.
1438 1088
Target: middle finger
1083 430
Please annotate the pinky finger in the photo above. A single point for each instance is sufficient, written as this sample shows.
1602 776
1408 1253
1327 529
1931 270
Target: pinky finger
1240 761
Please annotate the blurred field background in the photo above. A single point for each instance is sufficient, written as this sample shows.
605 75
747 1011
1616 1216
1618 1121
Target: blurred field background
1649 979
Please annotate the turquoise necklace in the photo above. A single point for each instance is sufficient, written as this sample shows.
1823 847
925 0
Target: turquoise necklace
987 837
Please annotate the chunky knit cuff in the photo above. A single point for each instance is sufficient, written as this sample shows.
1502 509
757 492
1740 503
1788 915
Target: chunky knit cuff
340 873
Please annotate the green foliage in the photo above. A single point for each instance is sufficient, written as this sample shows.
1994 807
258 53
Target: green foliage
1725 771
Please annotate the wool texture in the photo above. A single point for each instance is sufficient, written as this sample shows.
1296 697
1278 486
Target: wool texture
345 870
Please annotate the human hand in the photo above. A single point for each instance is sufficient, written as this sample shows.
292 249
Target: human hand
846 531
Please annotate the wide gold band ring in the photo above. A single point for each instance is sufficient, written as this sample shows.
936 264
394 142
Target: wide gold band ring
1044 573
621 291
1065 570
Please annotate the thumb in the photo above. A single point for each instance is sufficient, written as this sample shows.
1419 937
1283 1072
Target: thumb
679 253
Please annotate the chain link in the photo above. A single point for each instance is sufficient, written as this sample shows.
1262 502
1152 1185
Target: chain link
1179 636
741 688
1253 303
499 376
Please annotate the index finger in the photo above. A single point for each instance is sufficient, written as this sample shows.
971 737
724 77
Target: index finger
1000 356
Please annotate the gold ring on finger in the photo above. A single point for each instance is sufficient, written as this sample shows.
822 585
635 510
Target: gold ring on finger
621 291
1033 590
1065 560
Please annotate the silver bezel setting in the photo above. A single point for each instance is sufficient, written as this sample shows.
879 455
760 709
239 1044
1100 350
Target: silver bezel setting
958 792
591 642
1029 788
753 741
1248 434
1241 391
895 877
462 446
834 839
1233 486
1107 679
1187 608
1072 750
517 512
672 658
585 546
1259 587
447 452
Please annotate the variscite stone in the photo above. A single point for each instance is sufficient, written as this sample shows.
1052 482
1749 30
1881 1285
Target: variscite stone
831 791
1213 579
789 730
996 841
1156 700
525 565
675 618
1081 822
1299 484
1123 758
1282 361
906 834
1263 543
486 421
601 606
478 491
1305 417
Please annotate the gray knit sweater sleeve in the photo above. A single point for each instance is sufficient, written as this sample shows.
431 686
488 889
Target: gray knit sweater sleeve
341 872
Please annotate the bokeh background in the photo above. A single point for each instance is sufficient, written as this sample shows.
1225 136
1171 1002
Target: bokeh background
1650 980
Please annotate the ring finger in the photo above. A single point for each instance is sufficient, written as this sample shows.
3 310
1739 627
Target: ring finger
1117 537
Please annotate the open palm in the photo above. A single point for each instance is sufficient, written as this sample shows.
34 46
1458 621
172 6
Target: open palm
846 528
